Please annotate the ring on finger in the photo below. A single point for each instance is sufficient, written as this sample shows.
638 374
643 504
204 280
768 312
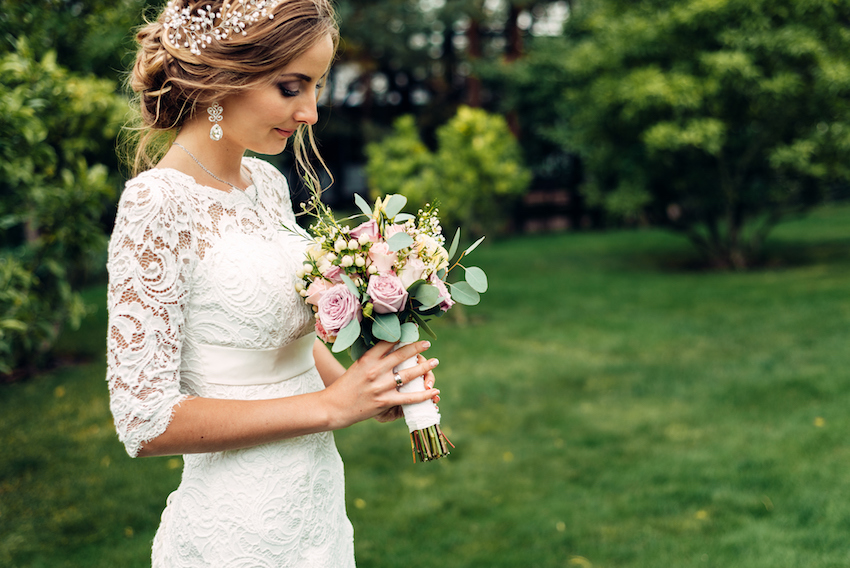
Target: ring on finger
398 381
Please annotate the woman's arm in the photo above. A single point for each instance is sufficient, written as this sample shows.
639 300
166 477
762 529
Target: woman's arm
366 390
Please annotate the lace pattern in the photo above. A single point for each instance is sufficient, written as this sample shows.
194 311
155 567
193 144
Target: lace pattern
191 265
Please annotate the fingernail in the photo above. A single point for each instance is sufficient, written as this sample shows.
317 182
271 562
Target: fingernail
426 344
434 362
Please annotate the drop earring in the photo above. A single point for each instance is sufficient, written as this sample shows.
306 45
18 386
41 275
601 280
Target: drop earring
215 111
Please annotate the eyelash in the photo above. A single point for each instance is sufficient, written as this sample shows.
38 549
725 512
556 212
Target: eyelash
290 93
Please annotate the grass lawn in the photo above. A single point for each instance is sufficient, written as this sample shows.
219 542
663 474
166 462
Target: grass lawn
610 409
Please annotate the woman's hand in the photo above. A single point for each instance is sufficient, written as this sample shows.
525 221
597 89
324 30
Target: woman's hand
368 388
395 412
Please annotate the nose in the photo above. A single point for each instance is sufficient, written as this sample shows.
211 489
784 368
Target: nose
308 112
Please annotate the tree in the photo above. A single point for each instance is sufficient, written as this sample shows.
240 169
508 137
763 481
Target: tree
53 125
715 119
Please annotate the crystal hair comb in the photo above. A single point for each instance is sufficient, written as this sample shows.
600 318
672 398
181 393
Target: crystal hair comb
196 29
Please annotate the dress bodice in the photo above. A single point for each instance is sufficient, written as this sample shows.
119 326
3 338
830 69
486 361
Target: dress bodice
193 266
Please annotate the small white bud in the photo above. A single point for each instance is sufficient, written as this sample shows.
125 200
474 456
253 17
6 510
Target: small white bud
353 244
347 261
360 262
340 245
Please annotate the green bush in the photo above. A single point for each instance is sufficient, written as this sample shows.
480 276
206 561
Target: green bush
475 175
713 119
53 127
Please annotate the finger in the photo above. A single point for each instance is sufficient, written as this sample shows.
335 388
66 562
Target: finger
416 397
406 352
421 370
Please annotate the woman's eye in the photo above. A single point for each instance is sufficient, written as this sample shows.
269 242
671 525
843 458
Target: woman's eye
287 91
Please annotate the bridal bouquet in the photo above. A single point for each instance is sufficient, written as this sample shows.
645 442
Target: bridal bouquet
383 280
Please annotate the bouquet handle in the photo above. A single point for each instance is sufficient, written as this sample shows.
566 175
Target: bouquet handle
427 440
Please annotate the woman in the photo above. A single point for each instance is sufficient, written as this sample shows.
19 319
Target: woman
211 353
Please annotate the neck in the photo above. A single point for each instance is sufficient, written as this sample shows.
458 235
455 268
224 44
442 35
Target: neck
222 158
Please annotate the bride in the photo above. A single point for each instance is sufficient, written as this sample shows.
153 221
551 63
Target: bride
210 349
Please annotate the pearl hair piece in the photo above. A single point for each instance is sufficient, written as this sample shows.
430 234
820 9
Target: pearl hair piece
185 29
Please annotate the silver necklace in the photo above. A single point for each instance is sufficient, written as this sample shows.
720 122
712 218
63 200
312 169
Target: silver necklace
203 167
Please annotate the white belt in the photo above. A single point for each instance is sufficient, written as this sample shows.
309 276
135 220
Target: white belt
234 366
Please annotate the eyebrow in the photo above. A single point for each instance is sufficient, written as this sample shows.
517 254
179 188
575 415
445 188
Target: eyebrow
302 76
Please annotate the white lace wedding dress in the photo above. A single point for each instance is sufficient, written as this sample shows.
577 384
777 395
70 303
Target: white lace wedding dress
202 302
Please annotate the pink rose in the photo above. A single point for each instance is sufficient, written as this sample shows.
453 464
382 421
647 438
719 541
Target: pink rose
337 307
387 293
413 270
444 293
369 229
382 257
393 229
316 289
332 273
323 333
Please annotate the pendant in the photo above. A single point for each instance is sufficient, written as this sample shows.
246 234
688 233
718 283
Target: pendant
216 132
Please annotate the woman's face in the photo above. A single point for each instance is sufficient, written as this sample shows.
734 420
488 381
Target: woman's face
263 119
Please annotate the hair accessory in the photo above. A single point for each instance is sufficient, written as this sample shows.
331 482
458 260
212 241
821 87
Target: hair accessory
215 111
196 29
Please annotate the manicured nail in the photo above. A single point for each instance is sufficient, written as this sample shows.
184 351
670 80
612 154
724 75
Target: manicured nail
434 362
426 344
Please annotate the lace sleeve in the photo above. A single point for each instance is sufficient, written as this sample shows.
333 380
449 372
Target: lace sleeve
149 260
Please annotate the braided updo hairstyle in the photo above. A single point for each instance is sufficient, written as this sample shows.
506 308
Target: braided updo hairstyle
171 83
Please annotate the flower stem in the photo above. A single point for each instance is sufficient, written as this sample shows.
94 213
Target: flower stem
429 444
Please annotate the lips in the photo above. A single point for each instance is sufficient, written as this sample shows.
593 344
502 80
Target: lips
284 133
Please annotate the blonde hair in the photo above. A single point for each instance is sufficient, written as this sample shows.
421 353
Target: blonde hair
171 83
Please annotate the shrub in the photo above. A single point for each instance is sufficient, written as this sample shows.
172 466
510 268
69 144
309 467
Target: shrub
474 176
53 126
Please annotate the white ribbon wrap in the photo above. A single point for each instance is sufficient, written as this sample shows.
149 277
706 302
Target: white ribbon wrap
422 414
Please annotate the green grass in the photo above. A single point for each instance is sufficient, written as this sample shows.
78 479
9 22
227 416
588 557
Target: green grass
610 407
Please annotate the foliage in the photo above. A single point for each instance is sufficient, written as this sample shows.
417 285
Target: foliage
474 176
95 36
715 119
52 123
646 418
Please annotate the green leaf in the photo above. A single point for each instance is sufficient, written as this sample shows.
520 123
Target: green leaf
409 332
423 325
362 205
347 336
477 279
454 245
463 293
394 205
399 241
349 283
427 295
358 349
386 327
402 217
473 246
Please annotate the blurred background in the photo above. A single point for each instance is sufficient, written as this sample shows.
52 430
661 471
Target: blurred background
658 374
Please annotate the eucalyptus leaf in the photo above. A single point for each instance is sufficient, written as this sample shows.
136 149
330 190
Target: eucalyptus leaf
409 332
423 325
427 295
454 245
477 279
473 246
347 336
402 217
386 327
349 283
463 293
358 349
394 205
362 205
399 241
